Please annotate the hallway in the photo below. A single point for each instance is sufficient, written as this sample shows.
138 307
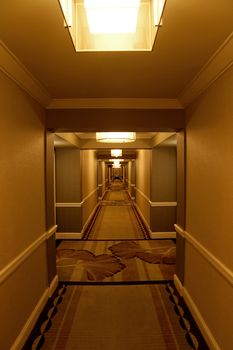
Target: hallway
177 100
117 217
115 248
99 308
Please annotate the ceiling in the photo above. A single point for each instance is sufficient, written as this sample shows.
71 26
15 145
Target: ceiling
144 140
192 31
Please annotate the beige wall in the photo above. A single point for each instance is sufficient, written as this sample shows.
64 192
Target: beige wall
209 197
129 176
22 208
103 170
143 182
89 182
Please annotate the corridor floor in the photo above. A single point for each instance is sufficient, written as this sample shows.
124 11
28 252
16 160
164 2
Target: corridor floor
115 290
117 217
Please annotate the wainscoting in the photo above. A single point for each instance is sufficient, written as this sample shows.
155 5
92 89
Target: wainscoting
160 218
206 281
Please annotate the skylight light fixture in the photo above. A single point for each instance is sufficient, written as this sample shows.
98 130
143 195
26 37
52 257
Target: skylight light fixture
116 153
113 25
67 9
112 16
115 137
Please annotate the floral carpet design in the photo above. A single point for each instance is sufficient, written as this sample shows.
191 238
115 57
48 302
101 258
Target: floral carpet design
112 261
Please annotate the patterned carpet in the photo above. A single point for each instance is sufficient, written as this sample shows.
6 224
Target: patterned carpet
138 317
96 307
116 261
117 219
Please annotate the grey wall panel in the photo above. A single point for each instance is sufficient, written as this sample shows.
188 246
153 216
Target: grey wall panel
68 175
181 178
162 219
163 181
181 201
69 219
50 212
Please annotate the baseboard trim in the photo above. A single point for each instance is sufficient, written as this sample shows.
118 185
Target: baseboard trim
132 198
178 285
69 235
207 334
166 235
53 286
14 264
89 219
25 332
77 235
143 218
155 235
207 255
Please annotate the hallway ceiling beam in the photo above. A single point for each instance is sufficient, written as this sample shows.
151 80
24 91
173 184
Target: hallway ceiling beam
89 120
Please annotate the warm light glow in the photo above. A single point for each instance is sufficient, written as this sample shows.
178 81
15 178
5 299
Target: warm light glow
116 160
112 16
158 10
116 164
67 8
115 137
113 25
116 152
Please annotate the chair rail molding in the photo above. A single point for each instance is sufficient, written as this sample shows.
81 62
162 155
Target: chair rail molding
211 258
14 264
78 204
156 204
77 235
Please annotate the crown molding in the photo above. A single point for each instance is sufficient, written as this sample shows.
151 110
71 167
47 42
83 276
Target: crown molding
115 103
219 62
16 71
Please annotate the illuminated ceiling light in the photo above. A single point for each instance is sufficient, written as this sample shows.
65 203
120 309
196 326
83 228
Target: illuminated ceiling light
67 9
115 137
116 160
113 25
116 164
116 152
112 16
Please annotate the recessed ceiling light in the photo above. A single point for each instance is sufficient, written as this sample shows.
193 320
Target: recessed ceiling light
115 137
113 25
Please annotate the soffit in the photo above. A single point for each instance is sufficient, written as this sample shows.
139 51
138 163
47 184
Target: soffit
192 32
139 135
